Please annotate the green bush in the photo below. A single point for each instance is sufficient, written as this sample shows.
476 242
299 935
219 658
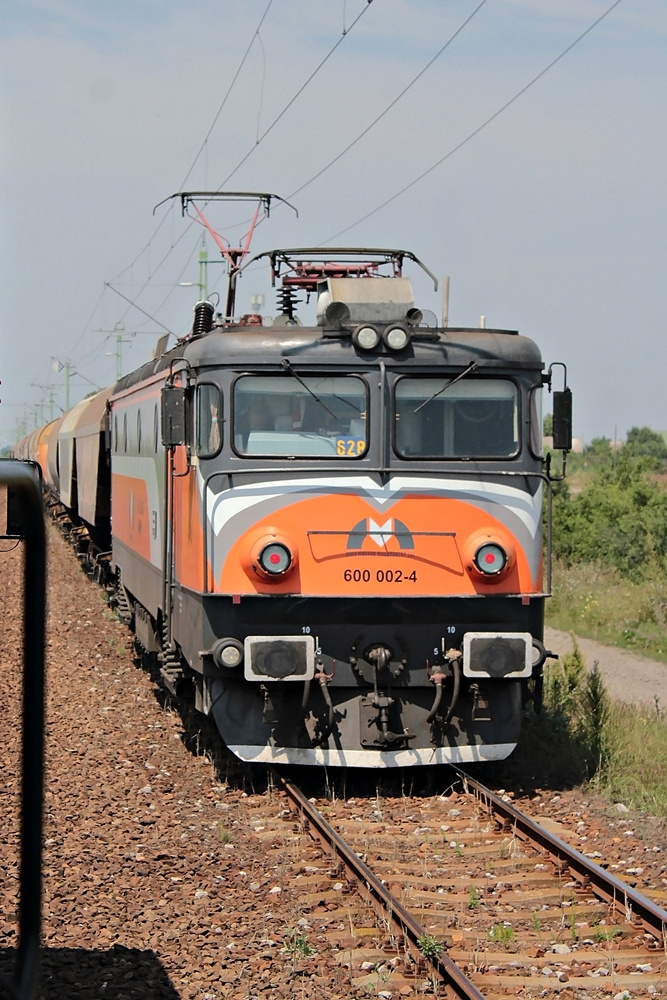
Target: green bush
618 519
577 706
582 736
593 723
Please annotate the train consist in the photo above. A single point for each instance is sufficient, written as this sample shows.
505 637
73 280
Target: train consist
333 530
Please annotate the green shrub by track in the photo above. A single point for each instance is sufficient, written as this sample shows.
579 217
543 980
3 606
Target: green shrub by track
582 737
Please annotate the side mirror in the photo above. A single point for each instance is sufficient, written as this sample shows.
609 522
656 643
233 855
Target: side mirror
107 429
562 420
173 415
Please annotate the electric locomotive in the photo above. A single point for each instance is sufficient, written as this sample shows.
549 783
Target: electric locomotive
350 517
333 529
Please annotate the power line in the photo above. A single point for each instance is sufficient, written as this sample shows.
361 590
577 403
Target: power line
110 284
226 97
389 106
175 284
476 131
255 35
258 141
301 89
135 306
193 164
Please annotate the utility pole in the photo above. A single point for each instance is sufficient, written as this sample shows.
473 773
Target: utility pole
68 373
49 397
120 340
119 330
67 367
202 284
203 269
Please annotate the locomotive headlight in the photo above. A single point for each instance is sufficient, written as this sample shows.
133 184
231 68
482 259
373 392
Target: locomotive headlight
396 338
275 558
490 559
366 337
227 653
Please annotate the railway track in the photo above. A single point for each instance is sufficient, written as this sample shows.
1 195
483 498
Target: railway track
470 899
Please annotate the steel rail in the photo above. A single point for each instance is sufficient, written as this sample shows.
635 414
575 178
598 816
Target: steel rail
372 889
633 906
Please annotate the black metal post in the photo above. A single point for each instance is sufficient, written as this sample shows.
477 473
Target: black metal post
23 481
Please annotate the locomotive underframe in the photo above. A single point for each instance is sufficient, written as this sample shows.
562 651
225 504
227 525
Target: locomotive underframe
393 722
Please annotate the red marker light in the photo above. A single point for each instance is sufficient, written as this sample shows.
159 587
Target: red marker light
490 559
275 558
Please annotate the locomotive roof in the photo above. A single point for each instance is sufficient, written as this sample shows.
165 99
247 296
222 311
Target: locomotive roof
352 293
450 346
266 346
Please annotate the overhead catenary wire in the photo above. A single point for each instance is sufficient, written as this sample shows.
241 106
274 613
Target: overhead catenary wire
392 104
227 95
84 331
134 304
174 285
111 284
395 101
388 201
296 96
197 155
475 132
292 100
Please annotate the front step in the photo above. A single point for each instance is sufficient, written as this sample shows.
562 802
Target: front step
172 677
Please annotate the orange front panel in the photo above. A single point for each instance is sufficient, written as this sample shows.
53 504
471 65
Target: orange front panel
418 546
130 514
188 533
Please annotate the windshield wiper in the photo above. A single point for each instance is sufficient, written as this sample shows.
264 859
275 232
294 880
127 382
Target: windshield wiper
288 367
466 371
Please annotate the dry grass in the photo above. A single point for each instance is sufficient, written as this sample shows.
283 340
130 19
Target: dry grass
635 771
595 601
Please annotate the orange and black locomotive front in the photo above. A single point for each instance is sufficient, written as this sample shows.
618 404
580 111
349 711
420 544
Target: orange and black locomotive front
358 543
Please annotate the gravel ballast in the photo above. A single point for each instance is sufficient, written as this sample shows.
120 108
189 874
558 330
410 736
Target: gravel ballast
159 881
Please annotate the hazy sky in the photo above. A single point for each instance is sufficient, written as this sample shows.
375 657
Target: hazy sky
550 220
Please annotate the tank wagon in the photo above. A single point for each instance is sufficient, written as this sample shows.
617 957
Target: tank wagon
332 529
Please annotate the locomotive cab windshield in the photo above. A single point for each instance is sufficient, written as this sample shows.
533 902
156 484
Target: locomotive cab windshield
473 419
317 416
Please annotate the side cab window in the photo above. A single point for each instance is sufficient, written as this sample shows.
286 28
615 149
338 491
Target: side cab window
536 425
208 420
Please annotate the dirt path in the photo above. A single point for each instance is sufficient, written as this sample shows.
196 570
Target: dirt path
628 676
